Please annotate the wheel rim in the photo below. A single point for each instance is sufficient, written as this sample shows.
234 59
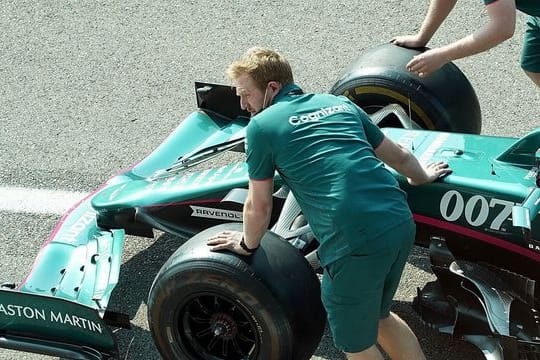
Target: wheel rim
212 327
373 98
391 120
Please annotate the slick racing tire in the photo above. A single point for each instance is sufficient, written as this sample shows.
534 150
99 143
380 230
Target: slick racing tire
444 100
219 305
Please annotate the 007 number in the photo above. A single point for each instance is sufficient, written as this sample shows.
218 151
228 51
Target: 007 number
476 209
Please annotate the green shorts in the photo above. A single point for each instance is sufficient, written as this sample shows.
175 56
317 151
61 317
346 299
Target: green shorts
530 55
357 290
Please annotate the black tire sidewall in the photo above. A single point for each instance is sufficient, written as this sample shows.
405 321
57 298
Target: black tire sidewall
180 282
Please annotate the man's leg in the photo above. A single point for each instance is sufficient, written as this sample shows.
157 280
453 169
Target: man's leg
351 293
394 335
398 340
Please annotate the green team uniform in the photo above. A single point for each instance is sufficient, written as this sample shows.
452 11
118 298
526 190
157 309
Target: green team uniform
323 148
325 155
530 54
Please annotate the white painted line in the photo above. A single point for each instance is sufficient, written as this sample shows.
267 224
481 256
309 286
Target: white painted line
37 201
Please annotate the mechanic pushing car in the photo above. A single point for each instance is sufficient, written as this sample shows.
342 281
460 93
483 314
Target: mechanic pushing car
500 27
329 153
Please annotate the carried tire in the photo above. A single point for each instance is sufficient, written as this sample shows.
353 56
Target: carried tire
219 305
444 100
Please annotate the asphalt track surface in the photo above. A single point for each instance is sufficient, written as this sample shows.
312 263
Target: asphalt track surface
89 87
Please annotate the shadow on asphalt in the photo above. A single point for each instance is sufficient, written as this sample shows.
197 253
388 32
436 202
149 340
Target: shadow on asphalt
130 295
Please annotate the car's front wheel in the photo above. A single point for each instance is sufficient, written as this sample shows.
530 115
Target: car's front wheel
218 305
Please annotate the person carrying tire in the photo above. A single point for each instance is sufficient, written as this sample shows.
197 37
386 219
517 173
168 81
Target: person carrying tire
500 27
329 153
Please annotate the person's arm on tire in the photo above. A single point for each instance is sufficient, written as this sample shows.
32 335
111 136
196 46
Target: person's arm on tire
257 212
500 27
437 12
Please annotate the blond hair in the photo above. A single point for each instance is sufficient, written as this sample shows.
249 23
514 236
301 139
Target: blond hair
263 65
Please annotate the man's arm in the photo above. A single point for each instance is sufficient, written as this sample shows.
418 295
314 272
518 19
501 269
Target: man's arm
500 27
257 213
399 158
437 12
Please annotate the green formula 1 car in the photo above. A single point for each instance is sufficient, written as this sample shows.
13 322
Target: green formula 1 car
480 224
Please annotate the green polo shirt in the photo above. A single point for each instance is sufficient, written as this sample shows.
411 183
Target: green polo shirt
530 7
322 147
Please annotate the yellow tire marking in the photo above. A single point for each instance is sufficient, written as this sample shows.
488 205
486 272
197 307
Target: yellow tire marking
393 94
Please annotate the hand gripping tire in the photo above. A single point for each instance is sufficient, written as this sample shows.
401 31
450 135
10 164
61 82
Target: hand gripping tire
219 305
444 100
